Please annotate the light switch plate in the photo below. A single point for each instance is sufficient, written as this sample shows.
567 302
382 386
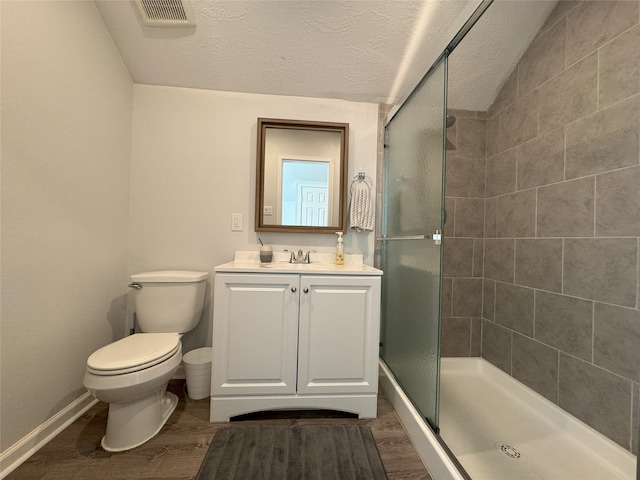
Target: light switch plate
236 222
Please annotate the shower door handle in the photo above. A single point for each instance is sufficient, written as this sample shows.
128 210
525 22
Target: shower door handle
436 237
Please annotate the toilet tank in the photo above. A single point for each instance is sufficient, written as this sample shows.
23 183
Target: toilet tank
170 300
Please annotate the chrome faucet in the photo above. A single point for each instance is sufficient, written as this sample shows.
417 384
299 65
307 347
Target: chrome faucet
295 258
300 257
307 256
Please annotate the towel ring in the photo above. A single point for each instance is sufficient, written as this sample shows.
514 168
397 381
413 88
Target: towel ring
360 178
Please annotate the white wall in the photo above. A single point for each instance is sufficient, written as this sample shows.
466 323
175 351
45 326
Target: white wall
193 165
88 198
66 136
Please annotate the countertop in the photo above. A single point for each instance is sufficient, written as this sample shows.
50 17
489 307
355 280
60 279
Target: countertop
249 262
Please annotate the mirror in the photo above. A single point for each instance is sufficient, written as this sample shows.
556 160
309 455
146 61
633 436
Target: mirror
301 179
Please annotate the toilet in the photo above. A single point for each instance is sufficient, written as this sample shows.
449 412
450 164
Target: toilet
132 374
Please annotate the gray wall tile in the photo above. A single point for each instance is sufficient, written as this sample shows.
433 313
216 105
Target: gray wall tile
499 259
514 307
501 174
616 340
476 337
463 113
598 398
603 269
478 257
464 177
543 59
635 422
481 173
516 215
539 264
564 323
488 299
471 137
469 217
496 345
456 337
518 122
618 202
447 289
603 141
619 68
541 160
535 365
593 23
450 208
569 95
566 209
490 210
493 148
457 257
467 297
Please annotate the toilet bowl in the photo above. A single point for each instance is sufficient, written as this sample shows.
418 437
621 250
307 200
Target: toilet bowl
132 374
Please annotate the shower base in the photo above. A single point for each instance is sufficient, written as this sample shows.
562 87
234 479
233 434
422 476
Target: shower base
500 429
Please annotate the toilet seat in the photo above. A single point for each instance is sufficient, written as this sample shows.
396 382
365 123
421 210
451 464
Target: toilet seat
133 353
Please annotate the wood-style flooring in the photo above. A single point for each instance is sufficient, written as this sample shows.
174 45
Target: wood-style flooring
178 450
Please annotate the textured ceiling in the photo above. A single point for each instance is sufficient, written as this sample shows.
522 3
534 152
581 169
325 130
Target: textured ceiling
372 51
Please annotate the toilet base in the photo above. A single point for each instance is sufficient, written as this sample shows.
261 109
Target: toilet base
132 424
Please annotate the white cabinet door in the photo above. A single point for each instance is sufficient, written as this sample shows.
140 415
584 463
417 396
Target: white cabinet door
255 334
339 334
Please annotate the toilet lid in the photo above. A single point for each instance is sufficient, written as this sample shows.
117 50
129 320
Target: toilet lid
132 353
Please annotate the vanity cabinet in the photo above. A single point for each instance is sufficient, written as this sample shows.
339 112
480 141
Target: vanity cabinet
305 341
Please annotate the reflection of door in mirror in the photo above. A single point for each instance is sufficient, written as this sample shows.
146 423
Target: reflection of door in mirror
305 192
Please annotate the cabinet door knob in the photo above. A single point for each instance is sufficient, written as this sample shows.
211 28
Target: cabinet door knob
306 290
294 289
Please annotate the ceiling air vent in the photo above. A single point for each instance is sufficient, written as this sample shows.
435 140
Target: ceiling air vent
166 13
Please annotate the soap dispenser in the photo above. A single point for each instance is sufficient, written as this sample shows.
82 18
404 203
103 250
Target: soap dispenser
339 259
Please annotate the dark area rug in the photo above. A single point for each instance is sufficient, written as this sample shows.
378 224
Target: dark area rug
305 452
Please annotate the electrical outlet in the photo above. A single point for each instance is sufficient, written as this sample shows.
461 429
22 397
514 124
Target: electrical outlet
268 211
236 222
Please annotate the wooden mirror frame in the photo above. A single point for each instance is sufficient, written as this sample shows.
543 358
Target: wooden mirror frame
343 130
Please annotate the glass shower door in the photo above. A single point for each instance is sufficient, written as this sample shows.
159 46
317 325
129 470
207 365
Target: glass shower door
411 257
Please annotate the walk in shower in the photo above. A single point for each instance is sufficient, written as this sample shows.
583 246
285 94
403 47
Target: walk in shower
511 344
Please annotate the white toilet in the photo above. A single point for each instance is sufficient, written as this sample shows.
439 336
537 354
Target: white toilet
132 374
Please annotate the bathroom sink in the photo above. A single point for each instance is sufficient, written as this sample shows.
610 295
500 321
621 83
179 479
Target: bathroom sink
278 265
297 267
248 262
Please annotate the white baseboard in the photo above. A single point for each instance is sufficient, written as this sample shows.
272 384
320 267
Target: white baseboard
20 451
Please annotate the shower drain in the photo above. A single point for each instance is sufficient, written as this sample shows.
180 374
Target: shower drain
508 450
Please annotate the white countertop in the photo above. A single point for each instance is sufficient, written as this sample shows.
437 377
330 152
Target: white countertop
321 264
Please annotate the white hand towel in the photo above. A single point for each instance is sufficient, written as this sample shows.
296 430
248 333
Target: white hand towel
361 210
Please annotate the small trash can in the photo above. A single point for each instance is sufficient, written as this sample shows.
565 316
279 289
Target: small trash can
197 369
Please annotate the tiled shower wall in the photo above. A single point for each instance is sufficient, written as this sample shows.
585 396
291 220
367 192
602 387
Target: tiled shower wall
561 289
464 235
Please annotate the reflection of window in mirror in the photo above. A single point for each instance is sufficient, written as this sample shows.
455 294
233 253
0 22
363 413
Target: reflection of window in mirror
305 192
